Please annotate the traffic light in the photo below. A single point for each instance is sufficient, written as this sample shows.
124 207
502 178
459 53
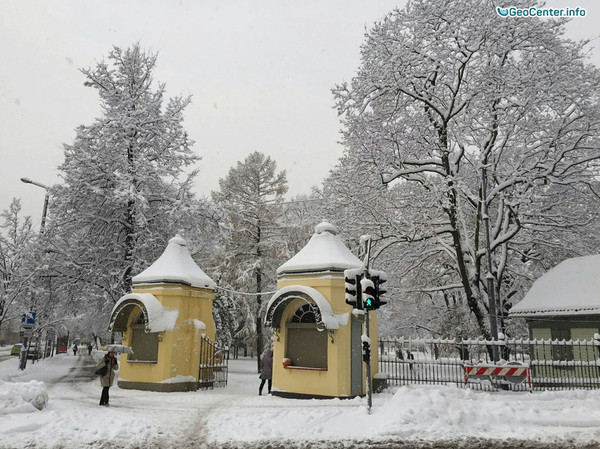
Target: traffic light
369 294
353 291
366 351
379 290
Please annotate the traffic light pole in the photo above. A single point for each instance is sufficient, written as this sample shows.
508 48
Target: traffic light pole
368 383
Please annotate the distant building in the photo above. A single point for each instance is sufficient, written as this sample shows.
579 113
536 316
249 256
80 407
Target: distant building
564 304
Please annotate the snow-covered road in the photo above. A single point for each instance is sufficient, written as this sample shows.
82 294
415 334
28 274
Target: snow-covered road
235 416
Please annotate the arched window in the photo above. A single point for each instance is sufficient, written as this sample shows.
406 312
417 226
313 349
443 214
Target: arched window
306 345
304 314
144 344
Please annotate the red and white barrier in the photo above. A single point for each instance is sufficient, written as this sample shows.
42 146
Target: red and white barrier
495 371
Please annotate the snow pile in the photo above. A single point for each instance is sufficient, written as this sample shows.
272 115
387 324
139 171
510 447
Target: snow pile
22 397
179 379
412 414
415 413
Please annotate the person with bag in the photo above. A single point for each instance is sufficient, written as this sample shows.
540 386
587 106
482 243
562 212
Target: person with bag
106 370
266 371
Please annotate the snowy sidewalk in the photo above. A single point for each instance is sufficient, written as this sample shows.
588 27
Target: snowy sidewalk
235 416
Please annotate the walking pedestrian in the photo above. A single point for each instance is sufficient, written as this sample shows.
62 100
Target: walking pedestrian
410 357
75 349
106 380
266 371
89 349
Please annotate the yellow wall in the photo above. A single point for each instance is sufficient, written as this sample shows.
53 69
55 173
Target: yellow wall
336 381
179 349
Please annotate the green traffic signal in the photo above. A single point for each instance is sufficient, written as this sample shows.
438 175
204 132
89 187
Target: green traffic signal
368 302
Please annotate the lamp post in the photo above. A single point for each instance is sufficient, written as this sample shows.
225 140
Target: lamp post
42 229
45 187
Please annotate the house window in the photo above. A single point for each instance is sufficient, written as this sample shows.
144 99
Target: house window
561 352
304 314
306 346
144 344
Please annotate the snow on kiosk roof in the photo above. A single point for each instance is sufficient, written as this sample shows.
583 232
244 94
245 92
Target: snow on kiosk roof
175 265
157 318
570 288
324 252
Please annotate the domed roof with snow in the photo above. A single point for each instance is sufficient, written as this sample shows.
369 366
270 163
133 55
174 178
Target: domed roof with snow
175 265
323 252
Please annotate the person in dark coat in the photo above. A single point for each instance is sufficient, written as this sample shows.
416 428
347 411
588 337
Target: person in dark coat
410 358
266 371
106 381
89 349
74 349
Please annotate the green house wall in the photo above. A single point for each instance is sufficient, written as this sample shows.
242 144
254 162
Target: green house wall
580 328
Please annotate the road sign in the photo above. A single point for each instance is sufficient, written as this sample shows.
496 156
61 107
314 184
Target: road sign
28 318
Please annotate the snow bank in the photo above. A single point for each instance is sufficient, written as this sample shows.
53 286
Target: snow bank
22 397
179 379
413 414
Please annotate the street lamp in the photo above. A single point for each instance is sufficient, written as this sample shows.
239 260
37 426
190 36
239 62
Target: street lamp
45 187
23 363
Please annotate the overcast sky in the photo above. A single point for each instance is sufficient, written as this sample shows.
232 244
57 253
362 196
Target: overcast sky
260 74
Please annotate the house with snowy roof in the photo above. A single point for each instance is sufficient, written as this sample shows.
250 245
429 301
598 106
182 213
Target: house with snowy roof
564 305
165 319
316 337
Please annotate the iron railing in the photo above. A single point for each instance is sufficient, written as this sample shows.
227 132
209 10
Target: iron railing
554 364
214 362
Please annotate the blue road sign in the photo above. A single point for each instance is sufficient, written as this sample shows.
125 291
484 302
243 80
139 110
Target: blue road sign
28 318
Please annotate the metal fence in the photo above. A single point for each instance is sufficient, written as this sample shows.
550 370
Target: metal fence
214 365
554 364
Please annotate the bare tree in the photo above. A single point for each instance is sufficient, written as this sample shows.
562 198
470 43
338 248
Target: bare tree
16 267
487 116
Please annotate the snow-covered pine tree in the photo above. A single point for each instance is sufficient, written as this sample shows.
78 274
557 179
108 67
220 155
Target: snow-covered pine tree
251 197
125 191
478 111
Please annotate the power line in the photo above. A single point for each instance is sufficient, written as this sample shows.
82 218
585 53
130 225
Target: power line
247 294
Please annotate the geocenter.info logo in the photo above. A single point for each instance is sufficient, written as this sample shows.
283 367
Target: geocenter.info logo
513 11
